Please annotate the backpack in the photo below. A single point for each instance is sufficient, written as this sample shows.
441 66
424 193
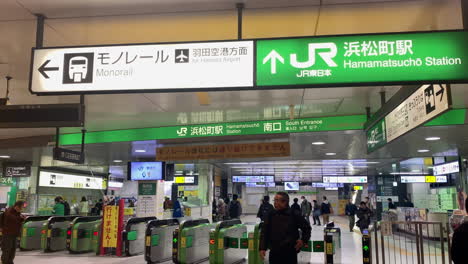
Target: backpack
66 208
234 209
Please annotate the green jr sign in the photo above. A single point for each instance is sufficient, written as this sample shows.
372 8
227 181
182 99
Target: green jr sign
363 59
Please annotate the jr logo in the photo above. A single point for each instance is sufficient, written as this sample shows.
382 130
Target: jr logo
329 52
182 132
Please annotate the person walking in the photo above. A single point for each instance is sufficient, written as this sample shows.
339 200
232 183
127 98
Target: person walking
265 208
296 207
66 206
316 213
306 209
350 211
326 210
235 207
221 210
364 215
59 208
177 210
84 207
460 242
12 221
98 207
280 232
391 205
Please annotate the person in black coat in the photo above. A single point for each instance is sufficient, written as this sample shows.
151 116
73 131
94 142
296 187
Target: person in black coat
280 232
265 209
350 211
295 206
460 242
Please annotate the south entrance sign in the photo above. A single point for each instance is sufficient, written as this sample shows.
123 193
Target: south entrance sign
303 62
363 59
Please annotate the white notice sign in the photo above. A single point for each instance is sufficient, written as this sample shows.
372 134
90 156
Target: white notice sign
144 67
424 104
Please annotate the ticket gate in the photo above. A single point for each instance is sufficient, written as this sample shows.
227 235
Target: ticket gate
30 238
332 239
158 245
133 236
254 245
191 241
81 232
54 233
228 242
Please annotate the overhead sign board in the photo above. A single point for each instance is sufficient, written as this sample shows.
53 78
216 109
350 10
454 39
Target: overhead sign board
423 179
224 151
41 115
447 168
244 178
363 59
142 68
344 179
423 105
65 180
327 185
17 169
68 155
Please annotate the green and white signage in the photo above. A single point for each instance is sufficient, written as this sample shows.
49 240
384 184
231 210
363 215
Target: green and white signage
363 59
423 105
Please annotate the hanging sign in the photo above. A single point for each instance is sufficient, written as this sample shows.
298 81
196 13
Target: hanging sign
142 68
17 169
363 59
110 226
423 105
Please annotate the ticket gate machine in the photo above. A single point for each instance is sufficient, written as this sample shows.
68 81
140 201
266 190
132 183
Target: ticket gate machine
30 238
158 240
83 234
190 242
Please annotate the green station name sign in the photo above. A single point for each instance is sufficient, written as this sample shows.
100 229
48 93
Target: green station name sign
363 59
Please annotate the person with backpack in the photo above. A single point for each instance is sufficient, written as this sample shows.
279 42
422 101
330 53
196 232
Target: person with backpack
326 210
316 213
265 208
235 207
10 222
306 209
280 232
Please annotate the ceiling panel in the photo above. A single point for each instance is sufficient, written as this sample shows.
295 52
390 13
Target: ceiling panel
12 10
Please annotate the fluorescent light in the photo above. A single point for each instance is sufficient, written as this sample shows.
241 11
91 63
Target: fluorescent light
416 171
318 143
330 154
432 138
423 150
117 161
140 151
5 157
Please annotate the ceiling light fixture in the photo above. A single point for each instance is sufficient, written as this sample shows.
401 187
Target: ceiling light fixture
330 154
432 138
423 150
317 143
5 157
117 161
140 151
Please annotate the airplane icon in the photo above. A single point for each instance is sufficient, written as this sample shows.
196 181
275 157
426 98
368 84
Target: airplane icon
182 56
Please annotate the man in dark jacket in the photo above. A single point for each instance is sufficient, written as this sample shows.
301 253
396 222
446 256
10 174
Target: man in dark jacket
364 215
460 242
295 206
351 213
235 208
280 232
12 221
265 209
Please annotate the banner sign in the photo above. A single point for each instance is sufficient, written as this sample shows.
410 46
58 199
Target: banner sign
68 155
423 179
142 68
224 151
423 105
110 226
67 180
363 59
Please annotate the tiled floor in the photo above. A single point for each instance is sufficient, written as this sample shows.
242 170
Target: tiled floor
351 250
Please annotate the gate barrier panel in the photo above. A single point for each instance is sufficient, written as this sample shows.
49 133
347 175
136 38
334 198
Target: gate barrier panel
158 242
30 238
191 241
133 236
80 234
54 233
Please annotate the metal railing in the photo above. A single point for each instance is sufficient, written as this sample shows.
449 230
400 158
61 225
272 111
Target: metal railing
410 243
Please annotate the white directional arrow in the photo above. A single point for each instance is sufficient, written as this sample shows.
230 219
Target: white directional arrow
273 56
